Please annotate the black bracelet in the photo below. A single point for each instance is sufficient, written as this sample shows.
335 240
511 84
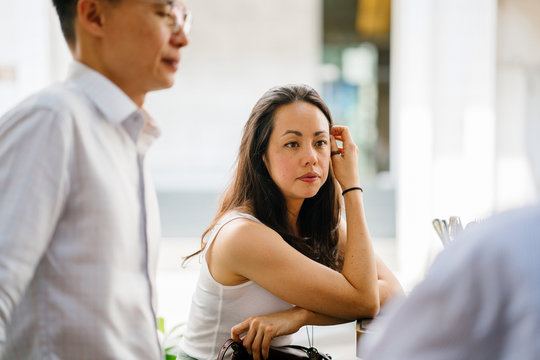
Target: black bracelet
350 189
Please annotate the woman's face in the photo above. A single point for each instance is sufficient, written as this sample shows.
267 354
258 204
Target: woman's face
298 154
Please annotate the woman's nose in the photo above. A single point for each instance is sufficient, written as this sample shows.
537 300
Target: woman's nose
310 156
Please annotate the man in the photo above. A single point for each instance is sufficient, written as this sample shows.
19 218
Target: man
78 216
481 298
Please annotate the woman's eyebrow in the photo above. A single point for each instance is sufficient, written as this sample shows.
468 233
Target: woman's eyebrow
295 132
298 133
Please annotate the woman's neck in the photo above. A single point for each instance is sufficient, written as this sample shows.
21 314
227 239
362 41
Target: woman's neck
293 209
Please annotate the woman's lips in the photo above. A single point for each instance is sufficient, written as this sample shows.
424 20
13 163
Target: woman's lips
309 178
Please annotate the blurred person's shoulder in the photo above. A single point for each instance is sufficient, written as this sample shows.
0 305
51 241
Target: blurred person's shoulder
508 231
507 242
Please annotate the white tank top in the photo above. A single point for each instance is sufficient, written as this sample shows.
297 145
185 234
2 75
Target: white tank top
216 308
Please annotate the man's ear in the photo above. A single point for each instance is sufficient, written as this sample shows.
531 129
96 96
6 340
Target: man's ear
90 14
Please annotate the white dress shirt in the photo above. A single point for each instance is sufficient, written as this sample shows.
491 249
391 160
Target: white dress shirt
480 300
79 225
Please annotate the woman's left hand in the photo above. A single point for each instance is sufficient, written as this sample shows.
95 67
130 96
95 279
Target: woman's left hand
260 330
345 164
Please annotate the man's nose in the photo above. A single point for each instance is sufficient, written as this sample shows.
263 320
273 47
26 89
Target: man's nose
180 38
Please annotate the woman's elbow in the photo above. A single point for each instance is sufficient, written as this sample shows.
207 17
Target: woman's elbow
389 290
372 309
368 307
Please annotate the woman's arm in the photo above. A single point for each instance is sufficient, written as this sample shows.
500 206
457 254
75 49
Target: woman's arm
389 285
359 262
260 330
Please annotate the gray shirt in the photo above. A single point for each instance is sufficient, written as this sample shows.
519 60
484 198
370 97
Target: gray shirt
480 300
79 225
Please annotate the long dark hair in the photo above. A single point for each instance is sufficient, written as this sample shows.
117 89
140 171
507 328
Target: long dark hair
252 189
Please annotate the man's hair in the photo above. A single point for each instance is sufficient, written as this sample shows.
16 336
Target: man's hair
67 12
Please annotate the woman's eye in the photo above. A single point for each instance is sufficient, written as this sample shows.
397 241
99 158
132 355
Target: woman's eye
321 143
162 13
291 144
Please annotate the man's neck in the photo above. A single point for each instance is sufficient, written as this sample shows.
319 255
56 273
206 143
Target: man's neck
90 59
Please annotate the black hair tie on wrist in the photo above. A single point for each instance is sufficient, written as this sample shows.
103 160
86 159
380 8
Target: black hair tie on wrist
351 189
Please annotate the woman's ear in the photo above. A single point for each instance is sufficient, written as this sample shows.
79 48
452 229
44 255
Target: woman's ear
91 17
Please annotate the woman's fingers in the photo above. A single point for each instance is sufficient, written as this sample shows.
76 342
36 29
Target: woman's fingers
265 346
341 133
259 332
256 345
345 166
239 329
334 149
247 340
333 144
254 337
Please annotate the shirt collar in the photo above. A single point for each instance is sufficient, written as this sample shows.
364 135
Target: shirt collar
115 105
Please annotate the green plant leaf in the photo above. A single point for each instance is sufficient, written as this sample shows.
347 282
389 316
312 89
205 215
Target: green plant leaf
175 328
161 324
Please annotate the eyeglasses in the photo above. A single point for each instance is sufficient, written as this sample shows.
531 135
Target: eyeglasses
178 18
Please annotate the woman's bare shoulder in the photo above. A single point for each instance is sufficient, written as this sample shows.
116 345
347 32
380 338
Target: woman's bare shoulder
241 247
242 231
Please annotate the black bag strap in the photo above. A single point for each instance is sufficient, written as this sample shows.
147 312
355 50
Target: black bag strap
311 352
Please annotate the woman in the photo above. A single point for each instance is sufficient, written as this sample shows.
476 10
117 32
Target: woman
278 254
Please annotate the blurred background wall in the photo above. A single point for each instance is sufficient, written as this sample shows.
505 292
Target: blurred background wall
437 94
240 49
463 86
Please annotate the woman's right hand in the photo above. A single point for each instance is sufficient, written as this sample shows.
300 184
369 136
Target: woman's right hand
260 330
344 163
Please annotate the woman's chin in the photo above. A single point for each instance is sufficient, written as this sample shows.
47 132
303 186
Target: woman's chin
311 193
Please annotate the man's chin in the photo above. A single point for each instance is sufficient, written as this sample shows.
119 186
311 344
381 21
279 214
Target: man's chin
163 85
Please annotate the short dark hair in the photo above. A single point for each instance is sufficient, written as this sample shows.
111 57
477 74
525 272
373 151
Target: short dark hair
67 11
